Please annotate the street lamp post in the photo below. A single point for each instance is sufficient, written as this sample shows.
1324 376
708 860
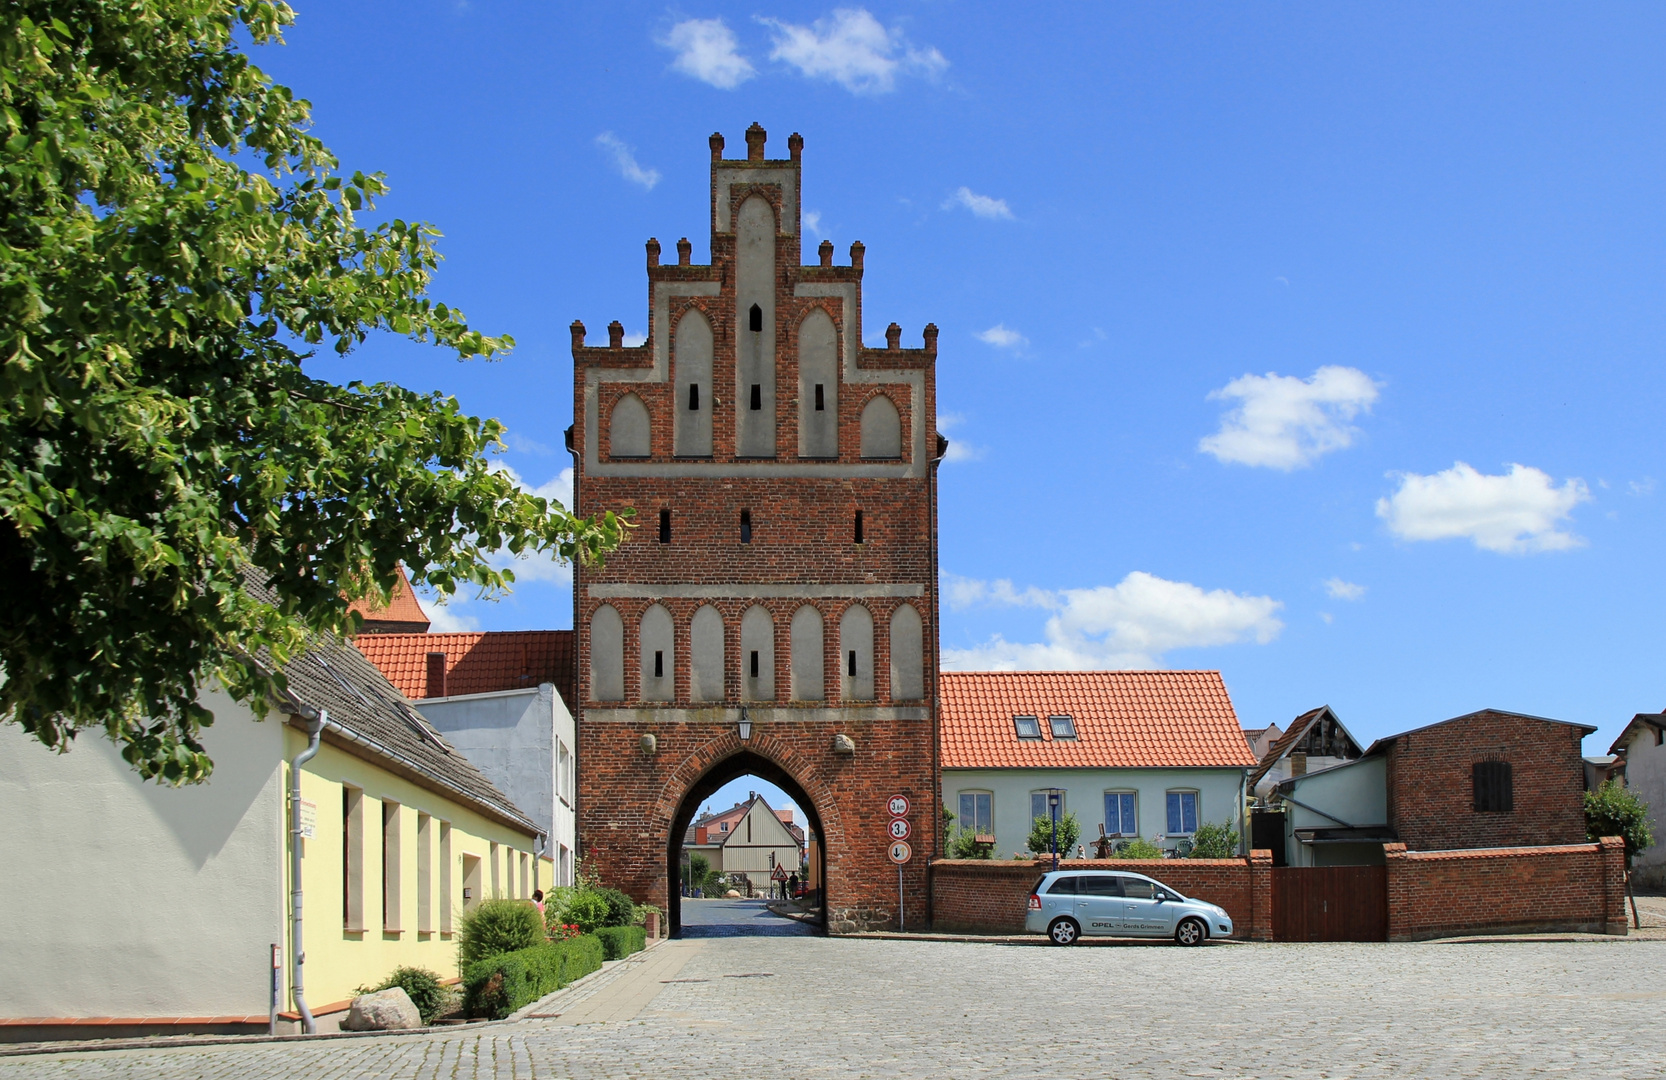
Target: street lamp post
1053 812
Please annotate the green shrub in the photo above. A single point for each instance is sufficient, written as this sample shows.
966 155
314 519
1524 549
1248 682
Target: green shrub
1214 841
621 910
498 985
1041 834
427 992
1137 848
1612 810
962 845
497 926
619 942
642 913
588 910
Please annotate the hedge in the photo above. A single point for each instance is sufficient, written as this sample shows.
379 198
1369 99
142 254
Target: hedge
620 941
498 985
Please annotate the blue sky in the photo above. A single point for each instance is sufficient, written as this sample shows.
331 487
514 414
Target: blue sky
1320 344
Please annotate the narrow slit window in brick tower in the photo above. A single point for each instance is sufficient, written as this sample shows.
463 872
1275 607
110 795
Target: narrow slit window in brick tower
746 526
665 526
659 664
757 319
754 663
693 397
821 399
858 526
757 402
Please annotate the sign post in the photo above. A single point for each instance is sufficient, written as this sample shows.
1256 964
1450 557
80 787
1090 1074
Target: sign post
277 990
900 852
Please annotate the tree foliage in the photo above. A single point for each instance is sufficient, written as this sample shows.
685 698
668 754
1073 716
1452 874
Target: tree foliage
1612 810
1041 834
175 244
1215 841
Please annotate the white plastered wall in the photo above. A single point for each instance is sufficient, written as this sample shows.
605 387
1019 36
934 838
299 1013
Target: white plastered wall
122 898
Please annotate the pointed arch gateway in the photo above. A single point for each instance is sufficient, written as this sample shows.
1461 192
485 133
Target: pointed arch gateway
757 759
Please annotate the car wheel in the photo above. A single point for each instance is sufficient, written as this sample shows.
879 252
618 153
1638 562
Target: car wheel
1191 932
1063 932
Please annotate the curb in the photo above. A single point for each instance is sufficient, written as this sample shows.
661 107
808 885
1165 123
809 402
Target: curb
593 981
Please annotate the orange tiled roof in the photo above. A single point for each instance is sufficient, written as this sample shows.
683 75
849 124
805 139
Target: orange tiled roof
402 615
1124 719
475 663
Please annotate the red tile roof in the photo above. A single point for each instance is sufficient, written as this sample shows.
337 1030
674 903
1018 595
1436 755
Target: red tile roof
475 663
403 615
1124 719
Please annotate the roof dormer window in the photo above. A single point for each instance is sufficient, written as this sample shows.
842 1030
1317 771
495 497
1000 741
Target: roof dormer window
1027 727
1064 727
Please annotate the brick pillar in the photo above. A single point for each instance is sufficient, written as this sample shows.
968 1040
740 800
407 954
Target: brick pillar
1260 870
1613 850
1399 893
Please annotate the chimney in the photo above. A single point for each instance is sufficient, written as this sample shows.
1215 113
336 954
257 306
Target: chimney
700 834
436 675
1298 764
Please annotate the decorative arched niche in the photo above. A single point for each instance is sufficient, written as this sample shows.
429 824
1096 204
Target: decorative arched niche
628 429
856 654
607 655
881 429
818 386
808 680
706 655
907 655
659 656
757 654
755 272
692 380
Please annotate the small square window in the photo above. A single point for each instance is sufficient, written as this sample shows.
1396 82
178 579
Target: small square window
1028 727
1063 727
1492 787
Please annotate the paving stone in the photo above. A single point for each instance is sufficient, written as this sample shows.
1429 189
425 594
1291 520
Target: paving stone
808 1008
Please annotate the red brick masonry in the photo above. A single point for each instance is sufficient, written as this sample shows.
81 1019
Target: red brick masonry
1579 887
991 895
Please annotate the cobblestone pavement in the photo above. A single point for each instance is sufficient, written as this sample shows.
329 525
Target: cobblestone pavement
811 1007
737 918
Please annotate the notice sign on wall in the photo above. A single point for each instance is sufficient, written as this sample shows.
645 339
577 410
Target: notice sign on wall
309 819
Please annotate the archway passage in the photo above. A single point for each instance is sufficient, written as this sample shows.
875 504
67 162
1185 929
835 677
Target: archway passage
743 763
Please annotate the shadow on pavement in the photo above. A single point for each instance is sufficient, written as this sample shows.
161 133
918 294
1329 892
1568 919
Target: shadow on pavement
738 918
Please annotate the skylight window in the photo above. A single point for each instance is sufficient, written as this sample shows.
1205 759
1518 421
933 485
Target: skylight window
1028 727
1063 727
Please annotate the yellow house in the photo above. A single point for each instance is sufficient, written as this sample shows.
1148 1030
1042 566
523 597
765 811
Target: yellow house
151 910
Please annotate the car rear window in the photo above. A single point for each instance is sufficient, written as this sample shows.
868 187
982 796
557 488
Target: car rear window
1101 885
1064 886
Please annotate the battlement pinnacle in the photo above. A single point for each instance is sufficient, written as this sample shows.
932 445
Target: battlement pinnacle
755 138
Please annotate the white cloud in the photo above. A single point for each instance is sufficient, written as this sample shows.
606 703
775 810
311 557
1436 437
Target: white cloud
812 221
851 47
1641 487
1337 589
959 448
1516 513
706 50
983 206
442 619
633 338
1002 338
1128 625
624 159
542 566
1283 422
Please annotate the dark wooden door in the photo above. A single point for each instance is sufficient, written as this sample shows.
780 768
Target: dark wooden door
1267 831
1330 903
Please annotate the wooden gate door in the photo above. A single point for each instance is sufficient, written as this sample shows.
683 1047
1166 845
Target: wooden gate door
1330 903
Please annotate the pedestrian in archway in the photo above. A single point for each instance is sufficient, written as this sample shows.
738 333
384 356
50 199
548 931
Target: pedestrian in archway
792 885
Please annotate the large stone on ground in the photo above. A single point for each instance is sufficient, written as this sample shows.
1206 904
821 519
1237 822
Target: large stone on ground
385 1010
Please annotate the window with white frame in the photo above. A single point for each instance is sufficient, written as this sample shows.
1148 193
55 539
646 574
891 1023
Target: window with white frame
1182 808
1120 819
1038 804
976 811
563 783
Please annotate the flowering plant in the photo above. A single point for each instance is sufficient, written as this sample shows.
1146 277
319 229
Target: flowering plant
564 932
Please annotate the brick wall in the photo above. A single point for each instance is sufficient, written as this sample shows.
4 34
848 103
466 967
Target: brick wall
990 895
1430 795
1574 887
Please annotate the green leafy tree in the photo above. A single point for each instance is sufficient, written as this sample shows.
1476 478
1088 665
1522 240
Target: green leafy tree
962 844
1215 841
1612 810
1041 834
175 246
1136 848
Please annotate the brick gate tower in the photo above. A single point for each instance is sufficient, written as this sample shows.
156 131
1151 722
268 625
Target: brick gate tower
775 611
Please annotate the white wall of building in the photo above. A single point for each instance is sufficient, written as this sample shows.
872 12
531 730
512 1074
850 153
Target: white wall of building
522 740
124 898
1646 777
1355 792
1010 790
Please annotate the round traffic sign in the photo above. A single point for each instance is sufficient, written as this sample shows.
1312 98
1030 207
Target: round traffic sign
899 828
901 852
898 805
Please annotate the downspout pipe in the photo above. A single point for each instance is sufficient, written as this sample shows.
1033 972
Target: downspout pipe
315 721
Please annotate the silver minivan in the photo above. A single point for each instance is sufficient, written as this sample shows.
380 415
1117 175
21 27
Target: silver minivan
1067 904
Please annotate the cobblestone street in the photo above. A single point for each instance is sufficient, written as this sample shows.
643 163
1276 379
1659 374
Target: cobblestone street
797 1007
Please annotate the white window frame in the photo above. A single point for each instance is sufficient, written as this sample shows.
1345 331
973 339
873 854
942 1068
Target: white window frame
973 793
1197 810
1119 792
